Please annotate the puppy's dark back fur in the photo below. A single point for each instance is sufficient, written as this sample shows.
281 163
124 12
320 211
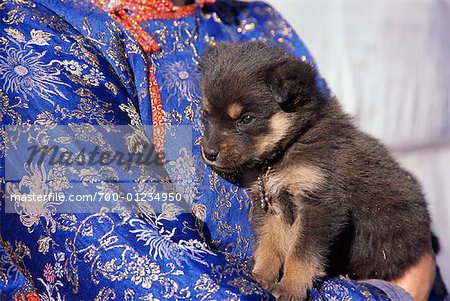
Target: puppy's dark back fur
387 210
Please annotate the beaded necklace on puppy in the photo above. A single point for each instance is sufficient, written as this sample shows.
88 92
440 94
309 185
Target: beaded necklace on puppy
264 197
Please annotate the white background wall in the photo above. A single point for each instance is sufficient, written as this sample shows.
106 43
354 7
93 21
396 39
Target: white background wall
388 61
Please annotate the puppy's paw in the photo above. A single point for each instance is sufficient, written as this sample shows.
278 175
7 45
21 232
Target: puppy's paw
265 277
289 292
298 276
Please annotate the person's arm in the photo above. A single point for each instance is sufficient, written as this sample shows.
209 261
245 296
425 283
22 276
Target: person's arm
418 280
68 69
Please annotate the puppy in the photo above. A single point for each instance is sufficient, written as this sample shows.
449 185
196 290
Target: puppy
328 198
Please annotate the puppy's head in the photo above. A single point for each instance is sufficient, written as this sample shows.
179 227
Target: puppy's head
256 100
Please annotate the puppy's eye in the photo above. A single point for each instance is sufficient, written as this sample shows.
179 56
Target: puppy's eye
246 119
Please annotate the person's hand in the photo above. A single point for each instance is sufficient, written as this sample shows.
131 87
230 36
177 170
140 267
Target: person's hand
418 279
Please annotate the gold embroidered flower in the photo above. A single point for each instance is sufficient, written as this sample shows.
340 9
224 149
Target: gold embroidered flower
73 67
144 272
180 80
39 37
59 271
94 77
33 198
182 173
24 71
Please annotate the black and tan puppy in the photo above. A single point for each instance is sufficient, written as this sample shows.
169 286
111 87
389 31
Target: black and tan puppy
328 198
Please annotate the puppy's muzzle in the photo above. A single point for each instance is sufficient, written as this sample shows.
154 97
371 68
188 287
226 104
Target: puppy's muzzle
210 154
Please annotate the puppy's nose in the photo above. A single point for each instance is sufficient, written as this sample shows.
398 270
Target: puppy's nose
210 154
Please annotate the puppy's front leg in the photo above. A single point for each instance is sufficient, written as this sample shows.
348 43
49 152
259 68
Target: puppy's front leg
268 234
299 276
313 231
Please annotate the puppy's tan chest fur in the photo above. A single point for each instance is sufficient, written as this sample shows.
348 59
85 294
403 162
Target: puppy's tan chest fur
296 179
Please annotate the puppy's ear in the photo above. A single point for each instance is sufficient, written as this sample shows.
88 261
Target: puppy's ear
208 58
289 79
